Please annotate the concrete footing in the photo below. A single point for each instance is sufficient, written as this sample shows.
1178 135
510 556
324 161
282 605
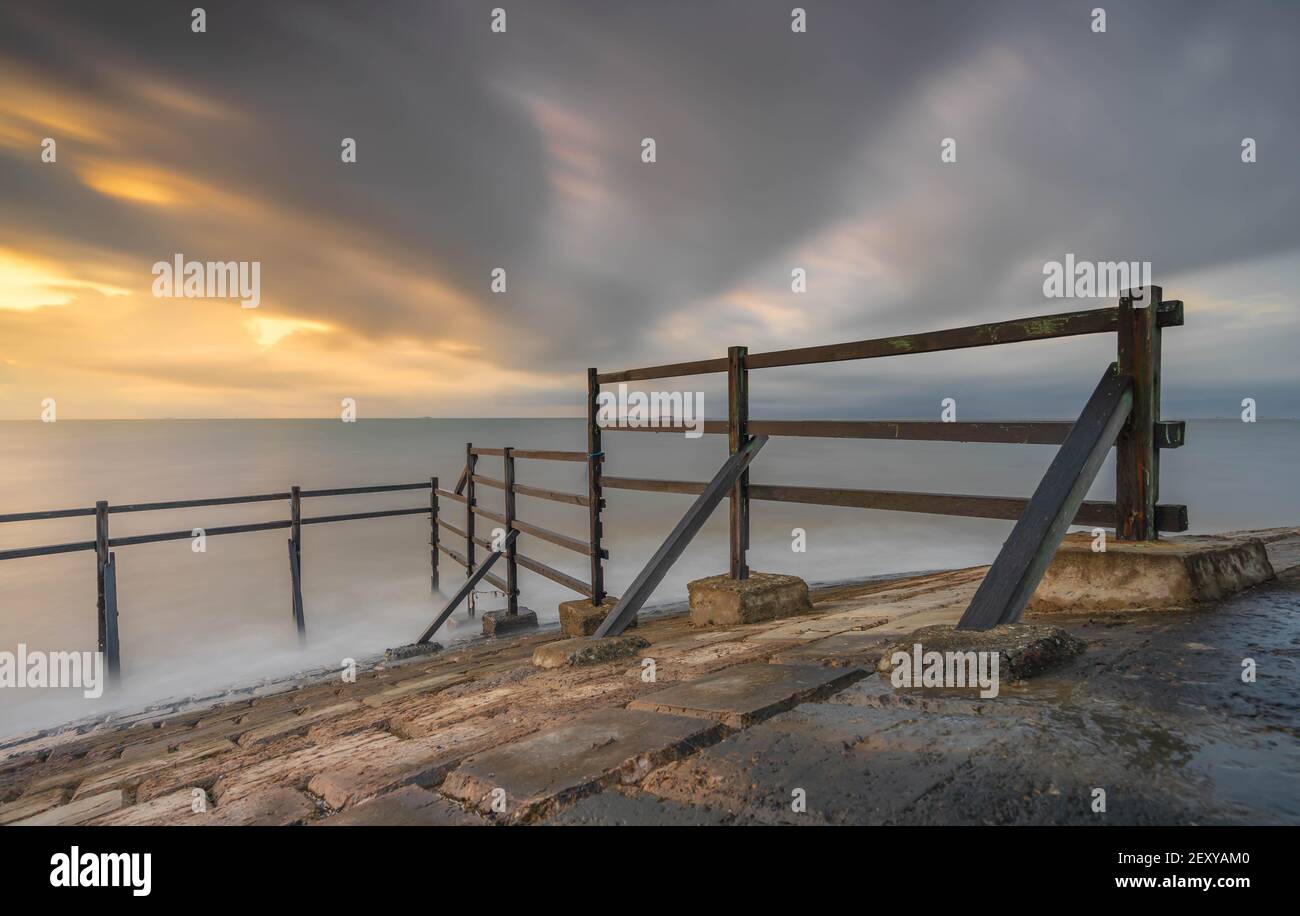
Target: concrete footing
502 623
580 617
411 650
724 601
1024 650
583 651
1148 574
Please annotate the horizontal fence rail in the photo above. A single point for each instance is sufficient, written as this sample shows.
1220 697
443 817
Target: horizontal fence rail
467 494
106 563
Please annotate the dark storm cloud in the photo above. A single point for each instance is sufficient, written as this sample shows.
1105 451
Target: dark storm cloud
522 151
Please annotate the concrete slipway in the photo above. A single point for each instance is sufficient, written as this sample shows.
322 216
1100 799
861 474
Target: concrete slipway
783 721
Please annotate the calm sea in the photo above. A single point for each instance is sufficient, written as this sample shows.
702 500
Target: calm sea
194 621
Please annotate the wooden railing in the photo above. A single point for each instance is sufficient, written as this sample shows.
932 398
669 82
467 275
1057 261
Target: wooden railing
106 561
466 492
1139 435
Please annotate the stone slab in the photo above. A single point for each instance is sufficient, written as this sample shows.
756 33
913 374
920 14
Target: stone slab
274 807
77 811
132 772
420 761
26 806
503 623
583 650
746 694
850 765
409 806
580 617
294 723
1132 575
845 650
402 689
724 601
538 775
630 807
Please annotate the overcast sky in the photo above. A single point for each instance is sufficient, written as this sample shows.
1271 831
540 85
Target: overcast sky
522 150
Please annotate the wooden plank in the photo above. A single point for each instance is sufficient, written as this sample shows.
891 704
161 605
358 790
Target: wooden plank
595 501
1026 553
678 539
537 531
1017 330
112 647
512 565
463 592
737 436
470 461
101 561
550 455
671 425
459 489
1137 468
498 452
650 485
575 499
48 514
187 533
448 494
555 537
359 516
490 482
18 553
1092 512
673 370
196 503
378 488
454 554
550 572
448 526
433 534
1035 433
295 557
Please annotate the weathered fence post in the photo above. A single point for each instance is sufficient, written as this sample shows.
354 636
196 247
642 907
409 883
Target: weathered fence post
512 570
595 463
295 558
433 534
1137 461
737 435
470 461
106 588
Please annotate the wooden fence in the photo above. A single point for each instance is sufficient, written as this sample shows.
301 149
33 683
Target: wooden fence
106 560
1134 413
1124 412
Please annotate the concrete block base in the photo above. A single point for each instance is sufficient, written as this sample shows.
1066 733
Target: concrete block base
411 650
503 623
583 651
724 601
581 618
1024 649
1132 575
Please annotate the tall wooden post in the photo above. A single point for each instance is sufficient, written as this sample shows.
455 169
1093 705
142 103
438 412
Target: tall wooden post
1137 461
101 563
737 436
595 463
512 570
295 557
433 534
106 598
470 460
